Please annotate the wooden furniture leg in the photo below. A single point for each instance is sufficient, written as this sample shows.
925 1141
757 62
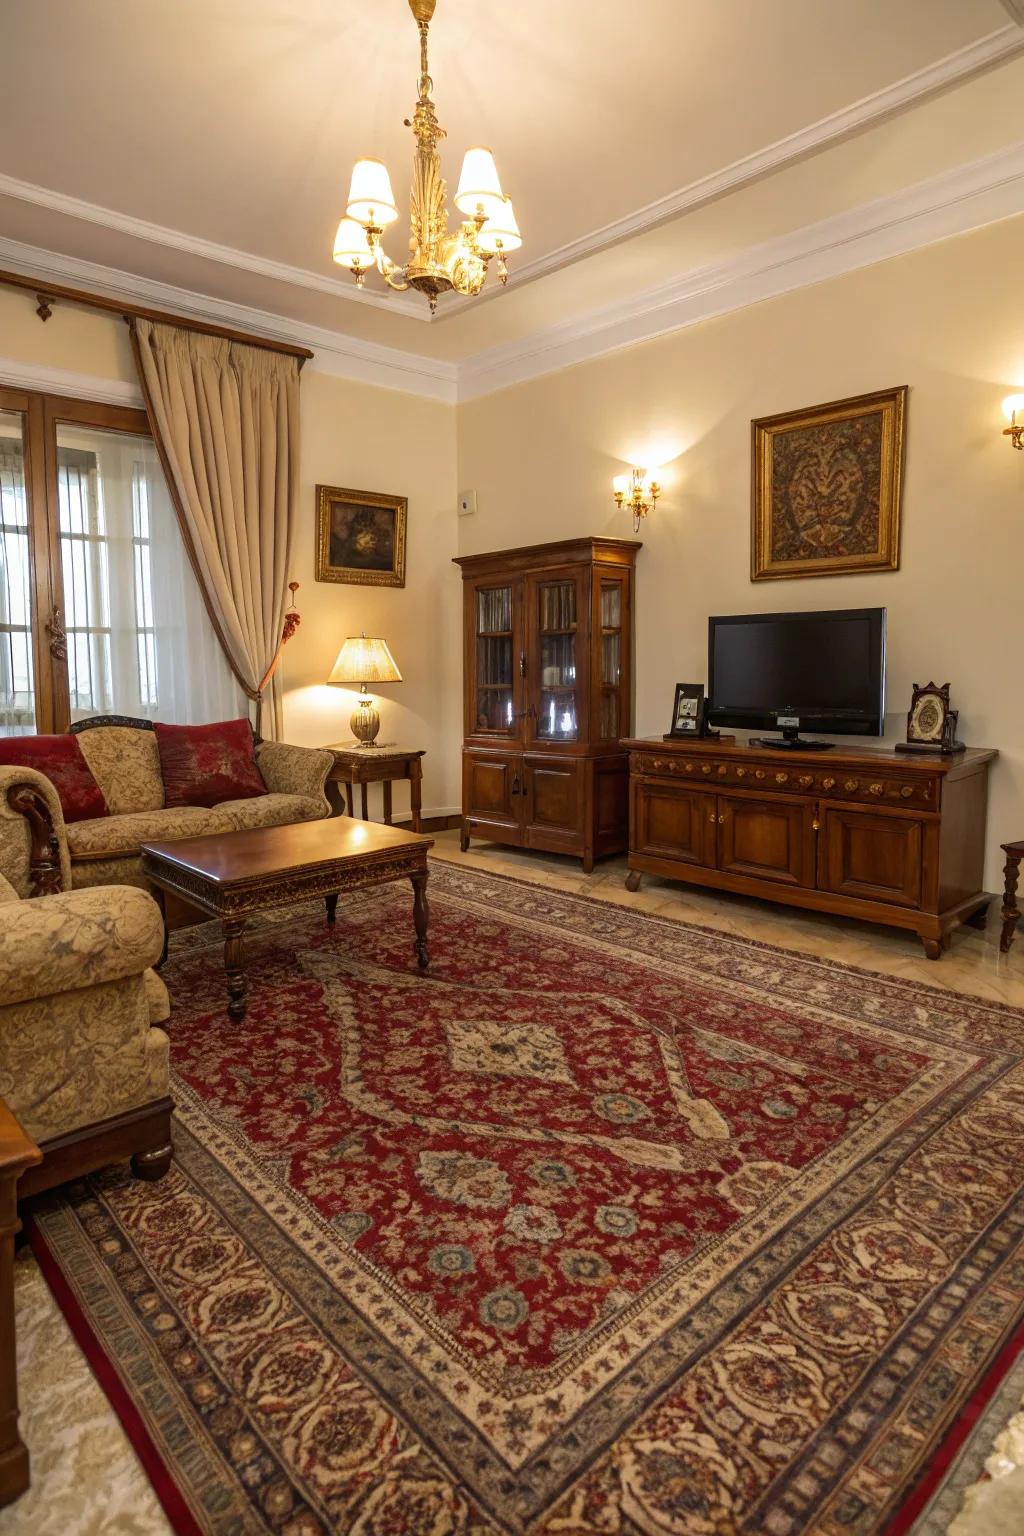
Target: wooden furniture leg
420 916
387 802
234 968
332 789
633 879
362 797
416 794
1011 911
350 799
17 1153
331 903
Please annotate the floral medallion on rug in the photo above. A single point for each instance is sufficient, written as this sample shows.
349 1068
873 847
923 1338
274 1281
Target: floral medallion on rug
607 1225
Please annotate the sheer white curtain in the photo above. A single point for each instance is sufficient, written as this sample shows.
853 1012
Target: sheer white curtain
140 641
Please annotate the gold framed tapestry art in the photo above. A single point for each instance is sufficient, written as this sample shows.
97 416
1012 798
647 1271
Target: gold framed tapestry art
827 487
360 537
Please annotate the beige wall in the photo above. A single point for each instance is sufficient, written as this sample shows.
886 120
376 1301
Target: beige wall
370 439
541 457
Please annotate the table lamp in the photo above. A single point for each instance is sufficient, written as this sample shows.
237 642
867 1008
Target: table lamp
364 659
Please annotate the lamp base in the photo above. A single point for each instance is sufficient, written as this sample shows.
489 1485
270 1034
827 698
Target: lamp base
365 723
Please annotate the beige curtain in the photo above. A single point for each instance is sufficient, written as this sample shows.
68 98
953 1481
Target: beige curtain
225 418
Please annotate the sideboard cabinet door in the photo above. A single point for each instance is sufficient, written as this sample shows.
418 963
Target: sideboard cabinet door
672 822
766 839
877 858
554 803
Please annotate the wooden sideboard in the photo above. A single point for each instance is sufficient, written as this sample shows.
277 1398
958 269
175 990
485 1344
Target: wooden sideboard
864 833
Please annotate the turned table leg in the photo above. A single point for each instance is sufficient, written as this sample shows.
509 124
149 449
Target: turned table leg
416 794
1011 911
233 966
17 1153
331 903
387 802
420 914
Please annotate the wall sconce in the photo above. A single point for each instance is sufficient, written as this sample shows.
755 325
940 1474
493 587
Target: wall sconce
1013 407
639 492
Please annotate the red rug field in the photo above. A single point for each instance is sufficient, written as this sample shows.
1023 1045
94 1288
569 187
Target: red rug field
607 1225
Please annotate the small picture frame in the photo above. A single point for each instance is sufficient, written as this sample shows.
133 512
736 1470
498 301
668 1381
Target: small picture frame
360 537
687 712
931 723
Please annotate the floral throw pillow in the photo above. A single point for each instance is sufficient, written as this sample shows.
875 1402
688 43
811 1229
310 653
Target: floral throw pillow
60 759
205 764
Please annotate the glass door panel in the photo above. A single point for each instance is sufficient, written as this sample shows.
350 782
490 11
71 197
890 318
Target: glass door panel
18 711
557 712
611 659
495 679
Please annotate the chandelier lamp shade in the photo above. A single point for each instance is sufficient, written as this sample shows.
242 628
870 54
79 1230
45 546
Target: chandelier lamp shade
439 261
364 659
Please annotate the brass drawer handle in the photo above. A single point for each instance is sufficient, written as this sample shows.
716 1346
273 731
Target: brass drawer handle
721 818
874 789
711 818
705 767
688 767
850 784
781 778
722 770
829 783
741 773
805 780
759 773
815 825
906 790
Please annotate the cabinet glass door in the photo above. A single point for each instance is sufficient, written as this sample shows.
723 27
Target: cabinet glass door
556 614
494 706
610 660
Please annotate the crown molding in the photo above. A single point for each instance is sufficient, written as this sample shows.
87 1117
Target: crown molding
208 250
346 357
951 203
16 374
971 60
954 67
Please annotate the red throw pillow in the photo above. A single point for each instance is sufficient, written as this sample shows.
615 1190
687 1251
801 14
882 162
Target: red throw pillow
60 758
205 764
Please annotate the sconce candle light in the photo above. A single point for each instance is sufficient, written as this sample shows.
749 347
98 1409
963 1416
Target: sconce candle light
638 491
1013 410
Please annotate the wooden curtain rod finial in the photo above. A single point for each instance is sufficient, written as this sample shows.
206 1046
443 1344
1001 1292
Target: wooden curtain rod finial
43 306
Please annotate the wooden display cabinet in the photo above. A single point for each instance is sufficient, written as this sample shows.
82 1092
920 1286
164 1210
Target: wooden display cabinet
548 694
864 833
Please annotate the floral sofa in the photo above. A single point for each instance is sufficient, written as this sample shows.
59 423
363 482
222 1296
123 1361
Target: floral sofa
125 762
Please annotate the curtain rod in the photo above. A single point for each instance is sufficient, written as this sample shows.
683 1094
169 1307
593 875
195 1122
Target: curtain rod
46 290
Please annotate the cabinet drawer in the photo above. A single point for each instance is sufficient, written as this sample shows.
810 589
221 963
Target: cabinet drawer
872 787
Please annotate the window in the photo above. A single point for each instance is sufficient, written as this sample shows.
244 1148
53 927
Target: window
100 611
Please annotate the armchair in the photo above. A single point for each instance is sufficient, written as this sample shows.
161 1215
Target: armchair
82 1066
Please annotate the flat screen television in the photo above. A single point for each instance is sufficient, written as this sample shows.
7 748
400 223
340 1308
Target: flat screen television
792 671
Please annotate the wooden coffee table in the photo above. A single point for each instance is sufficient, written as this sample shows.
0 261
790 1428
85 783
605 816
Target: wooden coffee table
231 875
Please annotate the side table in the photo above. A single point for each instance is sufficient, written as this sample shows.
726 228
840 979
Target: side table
375 765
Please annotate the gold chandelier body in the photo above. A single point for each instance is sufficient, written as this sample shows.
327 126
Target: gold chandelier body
439 261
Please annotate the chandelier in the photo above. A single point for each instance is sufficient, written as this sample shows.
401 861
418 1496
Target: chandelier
439 262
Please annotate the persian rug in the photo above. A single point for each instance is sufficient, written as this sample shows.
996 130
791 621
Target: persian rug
608 1225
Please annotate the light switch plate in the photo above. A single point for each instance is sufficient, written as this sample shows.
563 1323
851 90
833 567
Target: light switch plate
467 503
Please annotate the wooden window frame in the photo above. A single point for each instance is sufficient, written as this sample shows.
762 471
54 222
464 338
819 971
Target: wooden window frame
42 415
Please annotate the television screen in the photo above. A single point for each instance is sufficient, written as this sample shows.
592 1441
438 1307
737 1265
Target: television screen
825 669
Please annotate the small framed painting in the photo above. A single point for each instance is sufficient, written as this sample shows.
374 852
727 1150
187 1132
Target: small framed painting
687 711
360 537
827 488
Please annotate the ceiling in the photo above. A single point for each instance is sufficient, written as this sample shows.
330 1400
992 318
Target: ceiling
232 128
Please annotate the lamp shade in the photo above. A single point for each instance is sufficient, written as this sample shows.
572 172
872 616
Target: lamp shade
370 198
479 187
364 659
501 232
351 248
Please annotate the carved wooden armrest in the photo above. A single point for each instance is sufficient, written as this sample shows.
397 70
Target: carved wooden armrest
44 855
